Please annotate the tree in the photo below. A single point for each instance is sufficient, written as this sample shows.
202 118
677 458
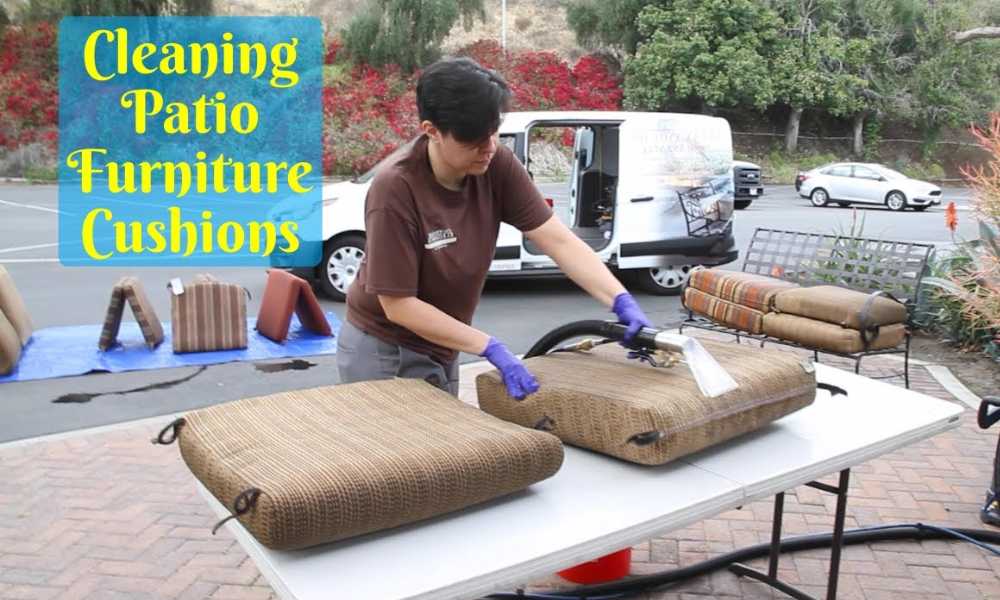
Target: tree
407 33
952 84
53 10
714 51
815 67
607 24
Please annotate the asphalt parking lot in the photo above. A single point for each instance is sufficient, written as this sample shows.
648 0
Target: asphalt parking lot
517 311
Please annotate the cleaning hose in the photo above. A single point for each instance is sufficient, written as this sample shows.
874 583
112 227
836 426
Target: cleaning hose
881 533
620 589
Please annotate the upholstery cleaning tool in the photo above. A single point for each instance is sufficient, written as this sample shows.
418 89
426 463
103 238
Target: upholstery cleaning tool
712 379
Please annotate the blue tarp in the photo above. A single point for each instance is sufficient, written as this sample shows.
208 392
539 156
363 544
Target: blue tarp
65 351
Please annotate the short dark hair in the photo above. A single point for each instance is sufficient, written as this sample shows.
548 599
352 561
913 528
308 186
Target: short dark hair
462 99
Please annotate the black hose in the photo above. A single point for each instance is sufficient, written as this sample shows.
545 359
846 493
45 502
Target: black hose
606 329
916 531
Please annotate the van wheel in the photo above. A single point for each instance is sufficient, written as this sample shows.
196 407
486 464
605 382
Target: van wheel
663 281
742 204
341 262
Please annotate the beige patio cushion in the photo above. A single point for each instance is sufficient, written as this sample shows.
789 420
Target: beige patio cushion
10 346
334 462
828 336
840 306
12 305
651 415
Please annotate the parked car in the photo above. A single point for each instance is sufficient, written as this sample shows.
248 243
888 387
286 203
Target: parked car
746 183
651 193
865 183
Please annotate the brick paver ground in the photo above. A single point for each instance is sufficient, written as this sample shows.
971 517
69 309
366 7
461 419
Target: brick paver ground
106 515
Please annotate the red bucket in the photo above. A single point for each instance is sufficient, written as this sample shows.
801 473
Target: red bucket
607 568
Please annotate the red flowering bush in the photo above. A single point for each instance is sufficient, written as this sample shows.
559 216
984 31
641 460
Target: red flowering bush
372 112
29 100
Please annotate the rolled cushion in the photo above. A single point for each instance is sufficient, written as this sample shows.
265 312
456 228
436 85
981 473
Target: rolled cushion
284 294
208 315
339 461
746 289
625 408
828 336
12 305
10 345
727 313
840 306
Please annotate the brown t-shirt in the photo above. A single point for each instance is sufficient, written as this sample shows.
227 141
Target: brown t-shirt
427 241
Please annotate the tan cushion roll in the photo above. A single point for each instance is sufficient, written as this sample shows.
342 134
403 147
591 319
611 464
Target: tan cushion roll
839 305
828 336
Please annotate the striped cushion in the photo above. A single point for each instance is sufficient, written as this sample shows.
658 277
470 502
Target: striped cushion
746 289
13 307
828 336
208 315
129 288
727 313
339 461
10 346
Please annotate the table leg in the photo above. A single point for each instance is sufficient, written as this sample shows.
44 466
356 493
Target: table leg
771 577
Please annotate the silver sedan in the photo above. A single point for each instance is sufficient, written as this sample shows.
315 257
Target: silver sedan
866 183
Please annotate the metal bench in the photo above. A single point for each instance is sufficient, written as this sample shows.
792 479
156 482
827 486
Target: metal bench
861 264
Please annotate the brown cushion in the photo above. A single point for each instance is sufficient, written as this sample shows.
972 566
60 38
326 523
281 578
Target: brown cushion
285 293
130 289
10 345
839 305
828 336
606 402
727 313
13 306
339 461
208 315
746 289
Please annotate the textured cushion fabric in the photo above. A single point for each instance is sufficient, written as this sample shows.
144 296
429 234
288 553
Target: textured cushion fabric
131 290
10 345
829 336
727 313
208 315
339 461
651 415
13 307
840 306
746 289
284 294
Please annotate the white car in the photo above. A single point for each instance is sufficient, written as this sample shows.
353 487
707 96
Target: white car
866 183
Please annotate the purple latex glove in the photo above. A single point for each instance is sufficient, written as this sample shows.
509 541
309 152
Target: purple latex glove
519 381
629 314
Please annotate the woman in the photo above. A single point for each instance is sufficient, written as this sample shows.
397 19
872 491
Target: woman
432 216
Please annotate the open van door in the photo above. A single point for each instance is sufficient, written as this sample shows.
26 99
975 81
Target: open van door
675 190
507 256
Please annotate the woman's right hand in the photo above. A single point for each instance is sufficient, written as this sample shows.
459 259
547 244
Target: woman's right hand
516 377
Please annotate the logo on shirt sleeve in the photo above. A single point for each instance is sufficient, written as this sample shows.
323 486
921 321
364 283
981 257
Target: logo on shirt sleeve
440 238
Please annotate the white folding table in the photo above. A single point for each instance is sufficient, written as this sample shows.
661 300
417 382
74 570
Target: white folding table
596 504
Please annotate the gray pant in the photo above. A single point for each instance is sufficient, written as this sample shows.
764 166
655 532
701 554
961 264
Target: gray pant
363 357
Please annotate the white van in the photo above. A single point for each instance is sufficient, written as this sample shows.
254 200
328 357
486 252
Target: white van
651 193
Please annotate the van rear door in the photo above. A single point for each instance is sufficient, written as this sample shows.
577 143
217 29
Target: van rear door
675 185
